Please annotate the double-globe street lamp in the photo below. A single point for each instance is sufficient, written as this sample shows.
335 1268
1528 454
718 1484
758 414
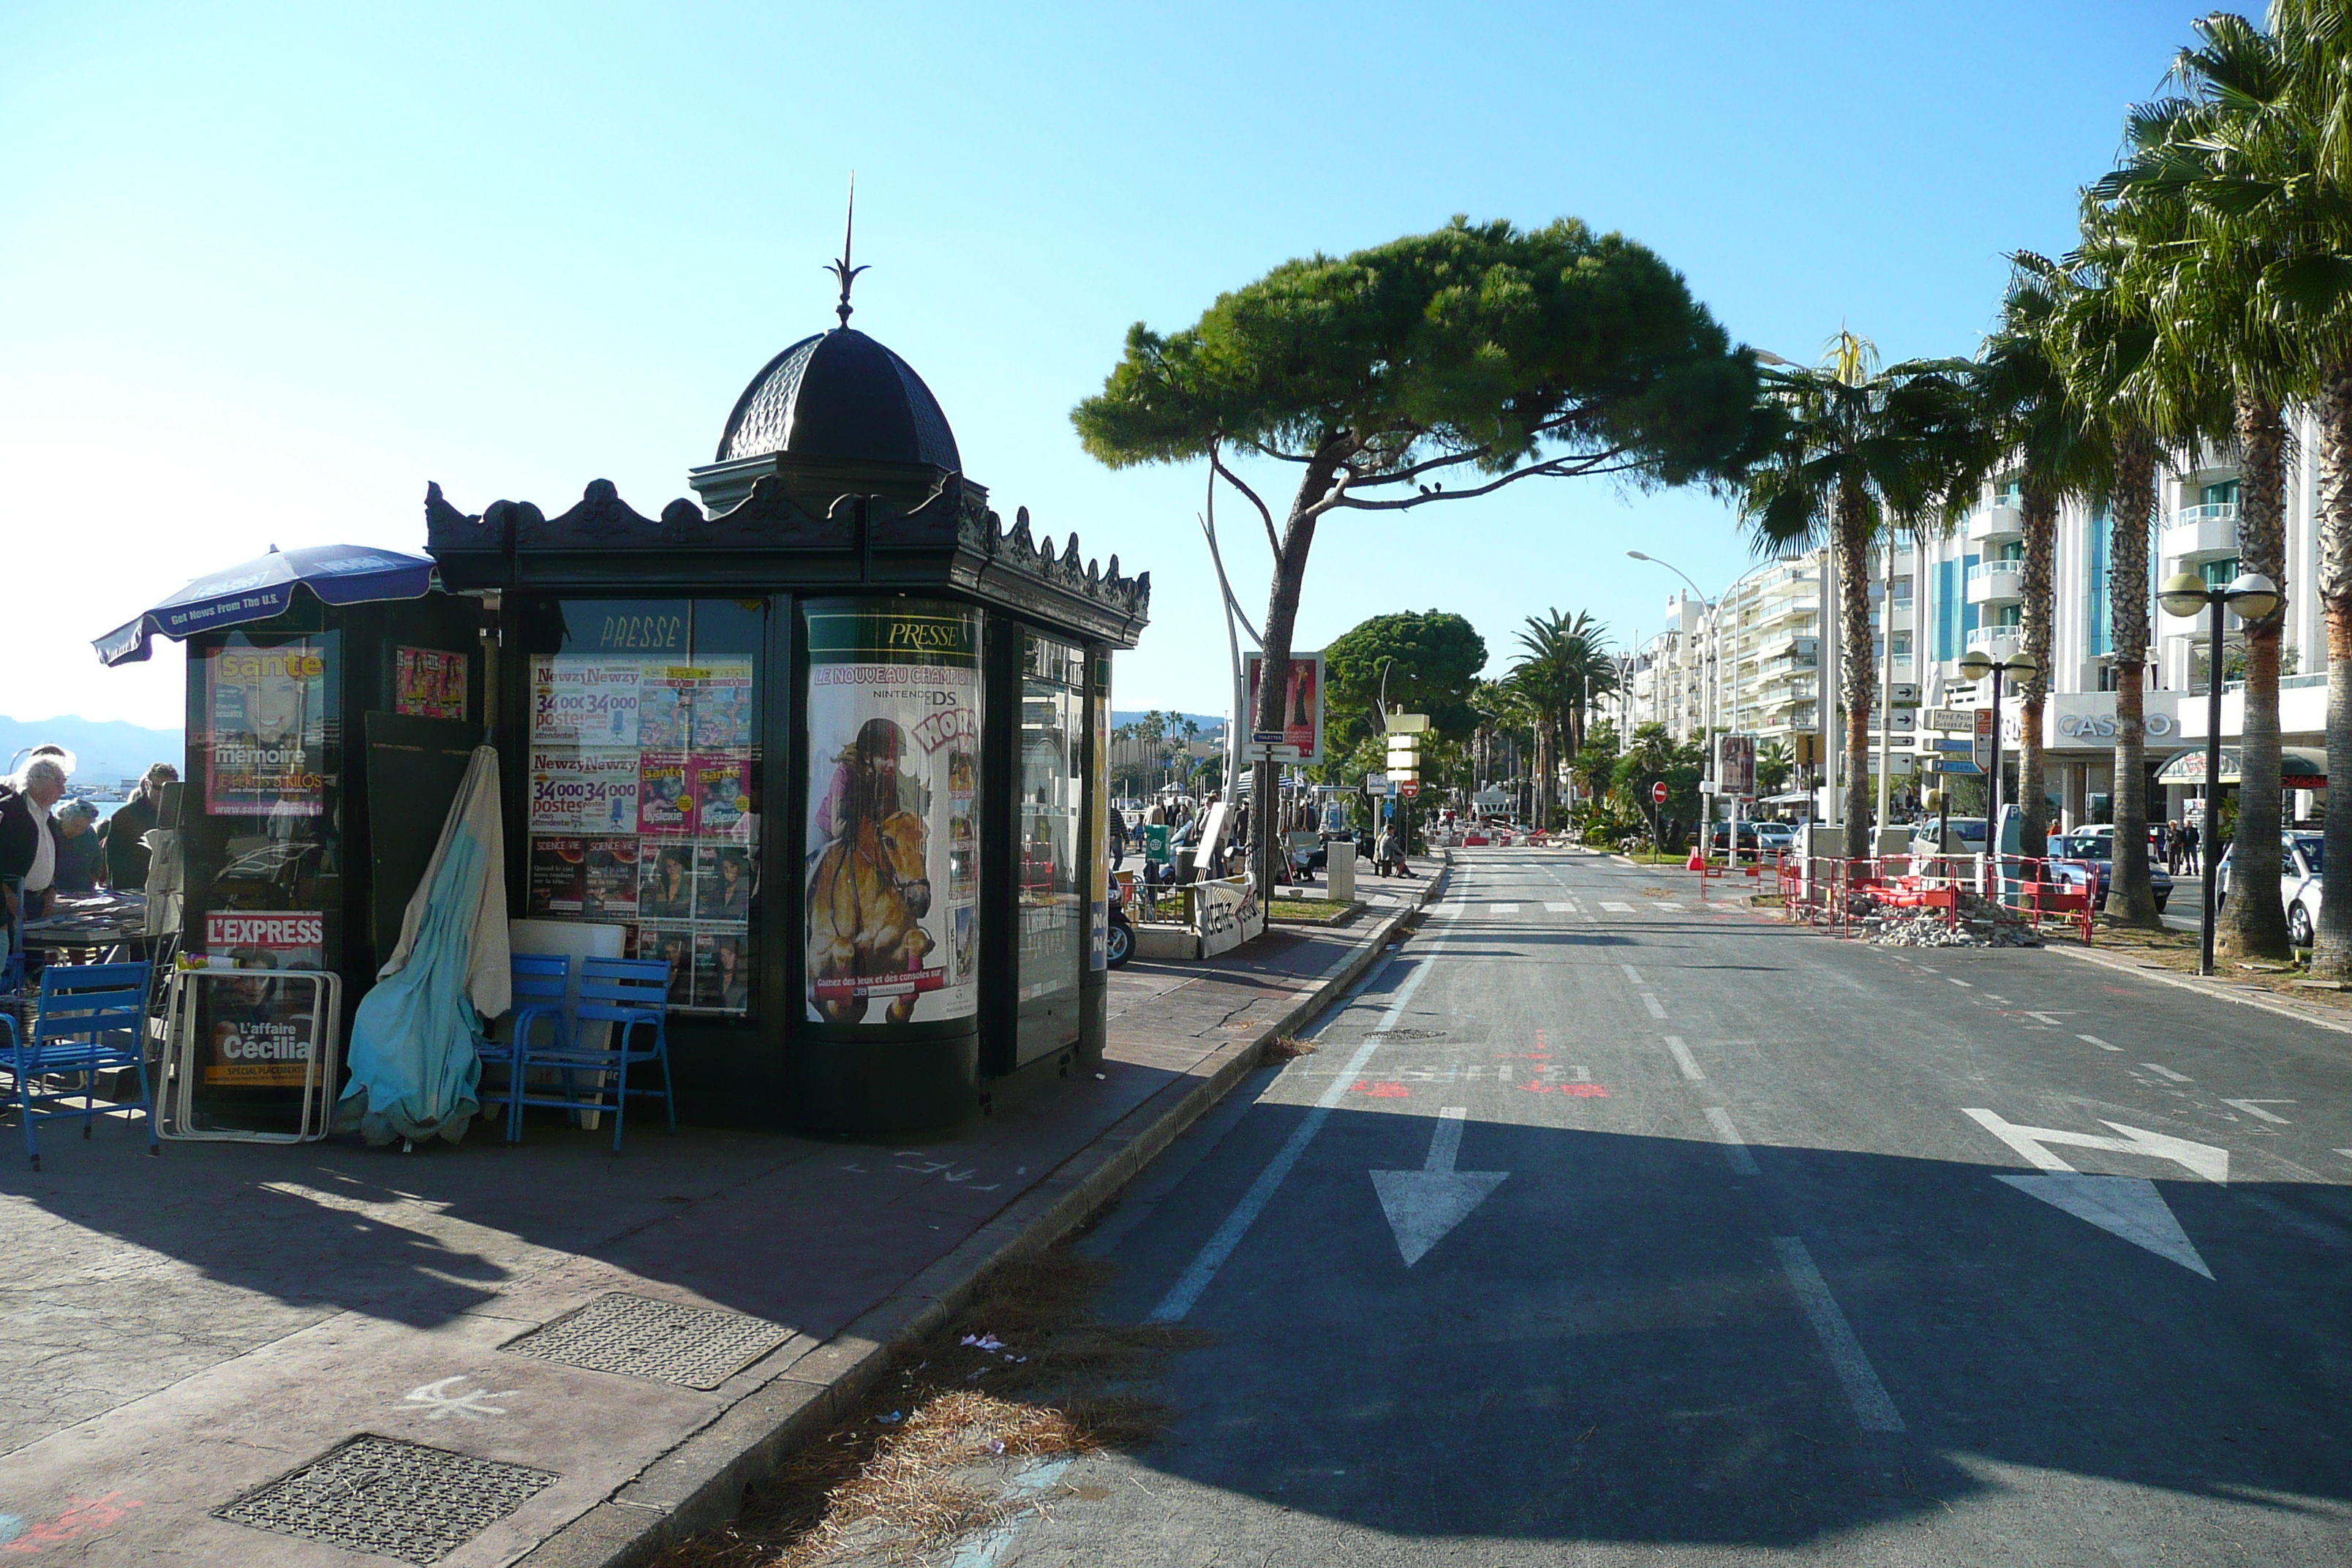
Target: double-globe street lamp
2253 597
2019 668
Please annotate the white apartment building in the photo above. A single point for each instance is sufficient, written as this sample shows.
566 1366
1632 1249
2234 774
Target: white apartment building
1754 658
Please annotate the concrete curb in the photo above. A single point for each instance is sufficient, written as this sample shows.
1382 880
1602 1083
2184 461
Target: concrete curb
2224 992
702 1483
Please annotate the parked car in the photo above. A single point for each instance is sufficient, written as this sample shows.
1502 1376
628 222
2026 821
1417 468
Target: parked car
2301 855
1966 835
2097 851
1777 835
1721 836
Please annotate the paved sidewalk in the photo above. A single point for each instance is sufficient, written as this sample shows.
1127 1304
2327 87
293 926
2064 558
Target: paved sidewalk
182 1332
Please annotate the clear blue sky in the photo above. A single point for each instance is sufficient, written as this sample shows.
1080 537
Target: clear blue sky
266 270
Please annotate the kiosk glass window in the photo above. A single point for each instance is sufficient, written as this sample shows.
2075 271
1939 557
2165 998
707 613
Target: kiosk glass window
644 784
1051 941
266 754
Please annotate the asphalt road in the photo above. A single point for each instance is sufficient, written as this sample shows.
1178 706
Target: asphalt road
1601 1228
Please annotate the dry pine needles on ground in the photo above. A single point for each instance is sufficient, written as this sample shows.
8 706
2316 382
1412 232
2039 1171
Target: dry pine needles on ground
1028 1372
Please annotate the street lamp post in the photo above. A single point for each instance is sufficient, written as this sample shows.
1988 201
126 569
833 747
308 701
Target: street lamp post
2253 597
2019 668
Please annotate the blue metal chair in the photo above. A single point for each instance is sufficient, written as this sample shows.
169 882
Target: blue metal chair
88 1018
629 993
539 982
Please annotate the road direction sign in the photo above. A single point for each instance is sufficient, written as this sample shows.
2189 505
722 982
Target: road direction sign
1423 1205
1951 720
1269 751
1658 793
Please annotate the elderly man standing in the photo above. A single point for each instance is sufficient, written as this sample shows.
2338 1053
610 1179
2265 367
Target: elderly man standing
28 835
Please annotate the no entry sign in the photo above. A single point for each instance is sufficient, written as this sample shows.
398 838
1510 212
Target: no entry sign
1658 793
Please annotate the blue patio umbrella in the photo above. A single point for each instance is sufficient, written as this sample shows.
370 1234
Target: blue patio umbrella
257 590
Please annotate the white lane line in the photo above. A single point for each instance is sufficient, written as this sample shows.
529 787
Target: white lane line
1871 1404
1506 909
1560 907
1183 1295
2102 1045
1960 982
1633 975
2161 1071
1616 908
1743 1163
1652 1003
1683 1058
2254 1107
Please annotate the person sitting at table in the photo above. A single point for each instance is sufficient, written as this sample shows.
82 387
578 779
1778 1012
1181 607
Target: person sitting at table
29 835
127 829
81 857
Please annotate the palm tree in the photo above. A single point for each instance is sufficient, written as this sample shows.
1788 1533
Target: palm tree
2222 294
1859 452
1565 666
2061 453
2101 341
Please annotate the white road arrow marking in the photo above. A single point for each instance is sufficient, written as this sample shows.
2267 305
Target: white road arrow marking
2125 1206
1423 1205
2202 1159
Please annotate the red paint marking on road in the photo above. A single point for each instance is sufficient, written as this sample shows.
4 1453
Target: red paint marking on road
1383 1089
82 1517
1575 1091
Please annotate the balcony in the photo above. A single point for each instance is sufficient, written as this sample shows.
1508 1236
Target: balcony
1997 582
2196 534
1996 523
1997 642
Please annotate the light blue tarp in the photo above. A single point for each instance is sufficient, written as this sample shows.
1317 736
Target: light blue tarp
415 1057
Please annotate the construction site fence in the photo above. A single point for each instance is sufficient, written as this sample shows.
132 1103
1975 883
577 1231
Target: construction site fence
1834 893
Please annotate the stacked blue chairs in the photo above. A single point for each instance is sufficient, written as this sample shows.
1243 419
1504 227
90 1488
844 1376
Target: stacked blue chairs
539 980
630 994
88 1018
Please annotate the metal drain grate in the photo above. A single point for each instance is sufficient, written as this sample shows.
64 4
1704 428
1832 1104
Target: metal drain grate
1409 1034
390 1497
699 1347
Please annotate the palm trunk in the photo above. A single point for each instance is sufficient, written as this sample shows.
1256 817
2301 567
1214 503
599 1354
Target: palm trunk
2254 920
2331 954
2039 510
2131 900
1860 679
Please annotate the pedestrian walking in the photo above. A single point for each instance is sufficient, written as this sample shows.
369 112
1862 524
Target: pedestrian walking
2190 839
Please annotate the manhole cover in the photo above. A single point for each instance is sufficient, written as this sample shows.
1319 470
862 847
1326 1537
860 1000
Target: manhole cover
699 1347
390 1497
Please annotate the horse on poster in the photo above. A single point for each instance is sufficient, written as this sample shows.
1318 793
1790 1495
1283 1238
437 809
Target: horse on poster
872 886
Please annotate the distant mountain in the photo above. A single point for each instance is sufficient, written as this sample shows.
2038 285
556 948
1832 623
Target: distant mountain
108 751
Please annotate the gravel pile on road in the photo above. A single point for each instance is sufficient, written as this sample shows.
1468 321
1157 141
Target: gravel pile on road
1982 924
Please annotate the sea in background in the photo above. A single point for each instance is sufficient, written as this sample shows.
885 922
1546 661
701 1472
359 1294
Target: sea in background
106 751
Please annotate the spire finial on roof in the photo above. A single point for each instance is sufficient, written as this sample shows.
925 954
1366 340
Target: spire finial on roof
842 269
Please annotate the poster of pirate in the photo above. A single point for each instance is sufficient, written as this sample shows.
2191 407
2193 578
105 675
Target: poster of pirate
893 714
1302 704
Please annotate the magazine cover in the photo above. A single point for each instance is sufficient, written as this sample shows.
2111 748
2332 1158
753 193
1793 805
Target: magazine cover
666 708
559 875
673 945
583 792
894 697
665 881
590 702
722 796
664 797
427 683
722 884
723 708
722 971
256 1030
610 886
266 729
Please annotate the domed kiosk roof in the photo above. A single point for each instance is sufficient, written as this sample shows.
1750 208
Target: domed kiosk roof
840 394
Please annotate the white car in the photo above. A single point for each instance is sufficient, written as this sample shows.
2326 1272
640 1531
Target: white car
2300 858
